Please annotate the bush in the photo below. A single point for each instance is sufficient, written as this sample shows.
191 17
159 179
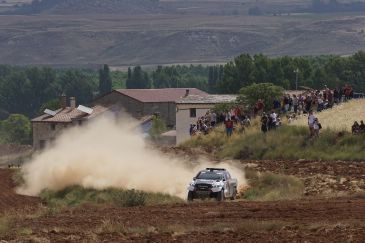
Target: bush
4 225
77 195
158 127
16 129
269 186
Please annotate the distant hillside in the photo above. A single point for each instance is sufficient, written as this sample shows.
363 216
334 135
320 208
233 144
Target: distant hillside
88 7
150 32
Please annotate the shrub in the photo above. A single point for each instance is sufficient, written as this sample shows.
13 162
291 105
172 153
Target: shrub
4 225
76 195
269 186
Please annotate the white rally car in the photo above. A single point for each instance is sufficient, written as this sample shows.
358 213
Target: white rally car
213 183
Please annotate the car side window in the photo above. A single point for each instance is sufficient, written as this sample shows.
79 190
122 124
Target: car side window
228 176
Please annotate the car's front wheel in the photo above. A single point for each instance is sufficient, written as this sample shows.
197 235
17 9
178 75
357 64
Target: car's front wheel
220 196
190 196
233 197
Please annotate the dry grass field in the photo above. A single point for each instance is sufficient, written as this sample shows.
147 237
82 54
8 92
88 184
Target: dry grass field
340 117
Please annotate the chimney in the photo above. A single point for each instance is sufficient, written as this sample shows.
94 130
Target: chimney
63 101
187 93
73 102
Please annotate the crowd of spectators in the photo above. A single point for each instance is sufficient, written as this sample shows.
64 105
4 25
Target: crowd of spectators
233 119
316 100
289 105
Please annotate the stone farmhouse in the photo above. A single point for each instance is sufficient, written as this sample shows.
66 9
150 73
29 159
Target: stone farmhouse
143 102
139 103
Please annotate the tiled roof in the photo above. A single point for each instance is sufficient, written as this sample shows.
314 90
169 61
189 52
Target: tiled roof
159 95
207 99
68 114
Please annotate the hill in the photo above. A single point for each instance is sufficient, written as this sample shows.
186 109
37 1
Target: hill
340 117
149 32
88 6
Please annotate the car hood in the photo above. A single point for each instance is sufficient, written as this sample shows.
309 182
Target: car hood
199 181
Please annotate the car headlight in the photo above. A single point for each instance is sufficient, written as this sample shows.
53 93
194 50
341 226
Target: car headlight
216 185
192 183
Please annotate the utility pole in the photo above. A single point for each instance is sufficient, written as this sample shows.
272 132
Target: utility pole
296 71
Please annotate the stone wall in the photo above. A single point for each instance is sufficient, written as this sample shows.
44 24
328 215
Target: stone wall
45 133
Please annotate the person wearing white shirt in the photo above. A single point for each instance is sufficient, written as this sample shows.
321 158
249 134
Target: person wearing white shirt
311 121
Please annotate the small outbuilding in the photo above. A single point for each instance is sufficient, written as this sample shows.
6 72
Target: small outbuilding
191 107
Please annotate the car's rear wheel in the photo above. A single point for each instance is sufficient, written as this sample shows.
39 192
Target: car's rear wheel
190 196
220 196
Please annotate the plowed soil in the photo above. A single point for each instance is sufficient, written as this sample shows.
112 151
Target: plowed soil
9 200
332 220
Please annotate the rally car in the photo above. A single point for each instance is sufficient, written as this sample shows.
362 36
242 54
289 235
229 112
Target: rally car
213 183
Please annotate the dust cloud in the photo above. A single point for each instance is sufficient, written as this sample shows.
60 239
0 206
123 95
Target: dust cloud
106 153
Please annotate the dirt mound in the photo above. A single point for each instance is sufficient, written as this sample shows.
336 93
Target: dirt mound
9 200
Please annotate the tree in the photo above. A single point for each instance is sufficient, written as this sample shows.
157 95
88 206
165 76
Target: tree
158 127
138 79
237 74
75 83
265 91
16 129
105 81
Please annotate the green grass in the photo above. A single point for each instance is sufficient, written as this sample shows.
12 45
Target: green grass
77 195
5 222
287 142
267 186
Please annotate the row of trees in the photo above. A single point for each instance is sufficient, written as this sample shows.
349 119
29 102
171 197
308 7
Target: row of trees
168 77
26 90
314 72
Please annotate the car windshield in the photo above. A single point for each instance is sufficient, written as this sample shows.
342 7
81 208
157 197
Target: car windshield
209 176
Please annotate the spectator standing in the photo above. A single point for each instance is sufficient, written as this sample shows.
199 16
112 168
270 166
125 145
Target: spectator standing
272 120
264 122
362 126
316 127
229 127
311 120
355 129
295 103
259 107
213 119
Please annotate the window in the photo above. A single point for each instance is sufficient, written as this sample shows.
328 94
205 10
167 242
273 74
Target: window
53 127
192 112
